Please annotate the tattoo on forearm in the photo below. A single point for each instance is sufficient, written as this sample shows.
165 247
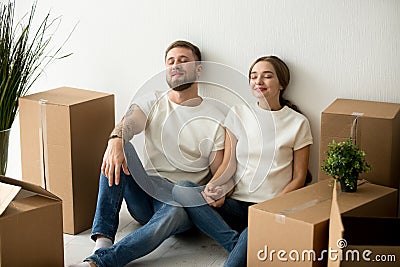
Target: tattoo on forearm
132 123
129 123
129 128
118 130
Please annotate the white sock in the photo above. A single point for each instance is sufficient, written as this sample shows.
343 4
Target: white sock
102 242
81 264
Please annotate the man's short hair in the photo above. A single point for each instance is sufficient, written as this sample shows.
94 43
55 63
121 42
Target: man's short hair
180 43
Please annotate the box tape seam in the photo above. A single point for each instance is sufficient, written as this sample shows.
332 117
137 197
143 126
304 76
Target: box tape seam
43 143
280 217
354 126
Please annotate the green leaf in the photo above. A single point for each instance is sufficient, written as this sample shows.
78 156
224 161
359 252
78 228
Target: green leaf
344 160
24 55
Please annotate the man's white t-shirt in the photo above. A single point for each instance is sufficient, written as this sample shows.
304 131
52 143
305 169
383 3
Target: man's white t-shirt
264 152
180 139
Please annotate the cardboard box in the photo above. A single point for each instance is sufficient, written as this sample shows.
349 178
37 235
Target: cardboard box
375 126
30 225
295 226
362 241
64 134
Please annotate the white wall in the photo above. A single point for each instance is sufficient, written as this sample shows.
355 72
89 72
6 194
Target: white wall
341 48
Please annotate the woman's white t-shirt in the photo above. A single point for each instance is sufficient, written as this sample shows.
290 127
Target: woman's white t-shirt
264 151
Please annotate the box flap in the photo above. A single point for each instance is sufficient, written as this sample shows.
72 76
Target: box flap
371 231
7 194
363 108
336 241
27 186
65 96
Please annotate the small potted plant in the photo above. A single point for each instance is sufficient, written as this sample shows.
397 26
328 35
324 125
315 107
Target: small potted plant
344 162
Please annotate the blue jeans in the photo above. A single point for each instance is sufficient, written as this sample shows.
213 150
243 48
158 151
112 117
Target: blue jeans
159 220
238 256
221 224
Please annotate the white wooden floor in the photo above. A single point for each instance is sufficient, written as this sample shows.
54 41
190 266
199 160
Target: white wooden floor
189 249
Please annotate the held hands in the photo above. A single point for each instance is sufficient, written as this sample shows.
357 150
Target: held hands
113 160
214 195
213 191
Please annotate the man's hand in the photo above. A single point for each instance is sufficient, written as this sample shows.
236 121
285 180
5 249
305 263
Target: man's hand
218 203
113 160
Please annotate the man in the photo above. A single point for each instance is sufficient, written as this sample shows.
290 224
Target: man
175 127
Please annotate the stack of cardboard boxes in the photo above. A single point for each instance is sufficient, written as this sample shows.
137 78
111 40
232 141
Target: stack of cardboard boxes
293 230
63 134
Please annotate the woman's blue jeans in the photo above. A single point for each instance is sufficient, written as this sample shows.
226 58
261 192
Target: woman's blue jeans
238 256
217 223
159 220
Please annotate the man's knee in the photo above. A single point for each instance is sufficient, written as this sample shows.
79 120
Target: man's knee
173 216
178 213
122 176
171 220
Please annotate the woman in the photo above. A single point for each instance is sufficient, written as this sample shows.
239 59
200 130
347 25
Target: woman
266 154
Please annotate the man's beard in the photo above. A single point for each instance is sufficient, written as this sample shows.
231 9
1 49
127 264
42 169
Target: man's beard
180 85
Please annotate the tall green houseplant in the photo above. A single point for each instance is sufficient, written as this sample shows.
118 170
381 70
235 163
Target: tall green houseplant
24 54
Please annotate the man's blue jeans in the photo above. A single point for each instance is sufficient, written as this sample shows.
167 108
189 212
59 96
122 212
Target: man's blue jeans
217 223
159 220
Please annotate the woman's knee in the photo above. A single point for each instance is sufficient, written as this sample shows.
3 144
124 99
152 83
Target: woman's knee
187 194
183 188
186 183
